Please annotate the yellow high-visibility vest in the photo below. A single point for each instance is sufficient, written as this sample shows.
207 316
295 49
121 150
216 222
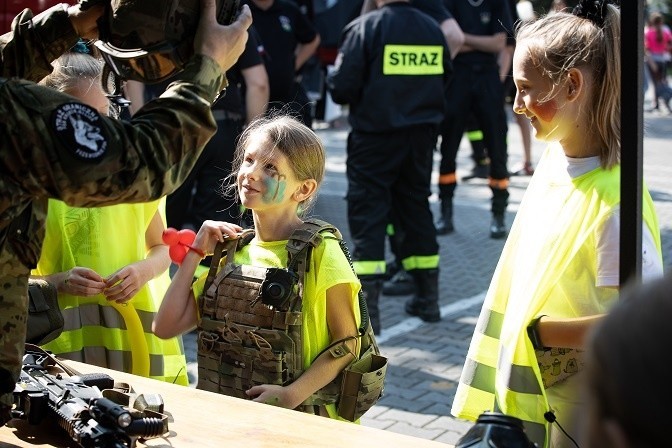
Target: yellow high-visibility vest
548 266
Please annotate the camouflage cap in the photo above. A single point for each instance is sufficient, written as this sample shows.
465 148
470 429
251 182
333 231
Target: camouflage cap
161 31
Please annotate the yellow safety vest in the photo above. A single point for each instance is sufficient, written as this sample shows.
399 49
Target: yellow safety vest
97 331
548 266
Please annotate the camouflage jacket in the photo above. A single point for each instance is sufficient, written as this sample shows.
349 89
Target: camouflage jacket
51 146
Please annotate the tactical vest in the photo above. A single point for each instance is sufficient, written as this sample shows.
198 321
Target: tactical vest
251 317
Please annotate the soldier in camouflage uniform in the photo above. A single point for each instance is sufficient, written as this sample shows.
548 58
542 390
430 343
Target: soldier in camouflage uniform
53 147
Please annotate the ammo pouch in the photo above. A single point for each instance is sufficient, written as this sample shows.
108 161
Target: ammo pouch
362 381
45 321
250 329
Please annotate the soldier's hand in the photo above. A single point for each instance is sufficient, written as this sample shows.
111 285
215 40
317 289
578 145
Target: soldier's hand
222 43
84 16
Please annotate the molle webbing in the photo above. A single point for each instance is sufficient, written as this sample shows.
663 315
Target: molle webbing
243 341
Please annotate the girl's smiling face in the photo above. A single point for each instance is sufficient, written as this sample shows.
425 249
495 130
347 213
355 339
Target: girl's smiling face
265 178
534 96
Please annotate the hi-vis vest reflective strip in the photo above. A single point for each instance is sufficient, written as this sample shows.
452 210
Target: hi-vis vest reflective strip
413 60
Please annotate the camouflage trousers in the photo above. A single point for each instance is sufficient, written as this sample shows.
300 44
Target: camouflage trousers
13 317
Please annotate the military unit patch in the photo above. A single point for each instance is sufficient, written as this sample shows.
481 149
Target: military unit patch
79 128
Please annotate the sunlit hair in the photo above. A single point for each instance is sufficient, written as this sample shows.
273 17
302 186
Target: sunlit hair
561 41
302 147
71 68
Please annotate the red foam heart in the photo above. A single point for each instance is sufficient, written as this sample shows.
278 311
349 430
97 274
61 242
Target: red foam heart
170 236
177 253
187 236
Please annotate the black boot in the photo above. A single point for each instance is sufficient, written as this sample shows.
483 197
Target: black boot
425 303
371 290
400 284
444 225
481 170
500 200
497 227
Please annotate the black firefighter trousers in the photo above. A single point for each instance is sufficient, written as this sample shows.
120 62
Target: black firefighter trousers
391 171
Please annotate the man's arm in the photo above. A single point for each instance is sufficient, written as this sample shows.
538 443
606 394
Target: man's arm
454 36
505 60
257 91
489 44
305 51
347 79
97 160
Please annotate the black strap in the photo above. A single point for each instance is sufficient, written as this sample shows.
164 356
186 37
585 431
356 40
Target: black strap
300 245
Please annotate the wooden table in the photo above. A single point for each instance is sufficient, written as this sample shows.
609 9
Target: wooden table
205 419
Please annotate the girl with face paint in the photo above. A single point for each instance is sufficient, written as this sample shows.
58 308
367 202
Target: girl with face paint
559 270
277 169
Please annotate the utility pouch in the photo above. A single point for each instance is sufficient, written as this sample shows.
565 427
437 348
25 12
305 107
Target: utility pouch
362 384
558 364
45 321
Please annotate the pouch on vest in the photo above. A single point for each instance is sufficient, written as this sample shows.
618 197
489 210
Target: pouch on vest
363 380
45 321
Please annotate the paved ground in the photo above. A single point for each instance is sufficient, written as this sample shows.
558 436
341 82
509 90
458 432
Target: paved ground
426 359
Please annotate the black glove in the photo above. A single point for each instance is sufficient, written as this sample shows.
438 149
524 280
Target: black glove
86 4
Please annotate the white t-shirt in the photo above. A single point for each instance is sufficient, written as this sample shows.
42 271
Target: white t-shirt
608 248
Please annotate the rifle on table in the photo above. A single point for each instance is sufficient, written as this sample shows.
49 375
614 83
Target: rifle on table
77 403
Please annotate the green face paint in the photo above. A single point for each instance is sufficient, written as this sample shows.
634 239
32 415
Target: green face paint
275 189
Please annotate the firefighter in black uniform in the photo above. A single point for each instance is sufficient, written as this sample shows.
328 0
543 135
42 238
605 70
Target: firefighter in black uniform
392 66
477 87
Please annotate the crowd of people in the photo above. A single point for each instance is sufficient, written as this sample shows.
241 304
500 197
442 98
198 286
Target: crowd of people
88 208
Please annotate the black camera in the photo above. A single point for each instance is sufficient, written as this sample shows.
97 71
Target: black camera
496 430
277 287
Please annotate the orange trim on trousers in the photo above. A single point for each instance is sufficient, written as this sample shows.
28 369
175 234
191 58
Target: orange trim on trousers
499 184
446 179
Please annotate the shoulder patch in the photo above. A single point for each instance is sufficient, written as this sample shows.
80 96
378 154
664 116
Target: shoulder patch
79 128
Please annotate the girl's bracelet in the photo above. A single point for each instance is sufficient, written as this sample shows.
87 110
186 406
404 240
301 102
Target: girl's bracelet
197 250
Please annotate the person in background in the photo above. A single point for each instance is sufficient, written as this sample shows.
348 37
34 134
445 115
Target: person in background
436 10
479 154
398 281
391 144
289 39
109 264
278 169
625 349
521 11
476 88
559 270
201 197
54 147
658 45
